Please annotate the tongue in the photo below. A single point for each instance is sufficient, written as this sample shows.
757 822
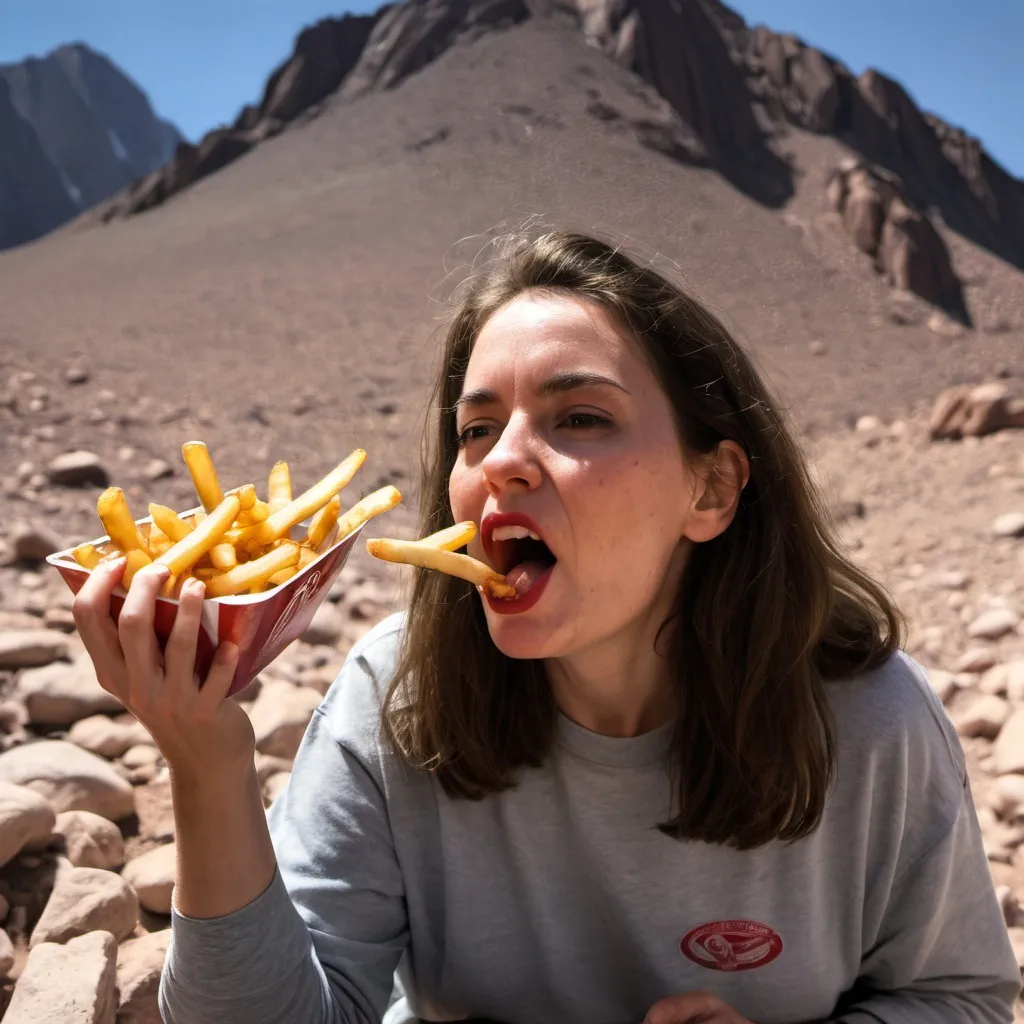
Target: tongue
524 575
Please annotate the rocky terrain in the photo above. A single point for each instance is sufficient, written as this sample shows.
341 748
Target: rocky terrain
288 306
75 130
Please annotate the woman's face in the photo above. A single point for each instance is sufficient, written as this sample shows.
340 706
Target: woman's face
565 434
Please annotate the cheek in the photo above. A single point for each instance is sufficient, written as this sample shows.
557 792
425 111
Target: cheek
463 494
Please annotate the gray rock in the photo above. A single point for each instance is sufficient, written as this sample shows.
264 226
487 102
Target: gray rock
157 469
28 648
78 469
34 543
76 375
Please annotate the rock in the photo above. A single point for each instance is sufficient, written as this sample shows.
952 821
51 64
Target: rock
72 779
142 755
280 715
76 375
993 624
1017 942
943 683
157 469
953 580
1015 681
275 786
1009 747
87 988
267 766
34 543
1009 524
5 907
984 718
817 348
994 681
61 694
26 819
106 737
326 627
78 469
151 875
90 841
27 648
1008 796
974 411
140 963
7 957
977 659
85 900
59 618
867 424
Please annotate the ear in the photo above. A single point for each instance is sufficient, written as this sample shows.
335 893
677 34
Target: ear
719 486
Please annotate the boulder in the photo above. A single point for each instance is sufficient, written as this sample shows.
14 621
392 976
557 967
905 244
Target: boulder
140 963
27 648
73 983
90 840
85 900
26 820
78 469
71 779
151 875
107 737
280 715
60 694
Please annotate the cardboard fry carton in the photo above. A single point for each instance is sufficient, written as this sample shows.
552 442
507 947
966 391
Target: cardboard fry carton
262 625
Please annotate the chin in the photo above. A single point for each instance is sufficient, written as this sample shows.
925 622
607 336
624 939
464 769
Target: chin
525 641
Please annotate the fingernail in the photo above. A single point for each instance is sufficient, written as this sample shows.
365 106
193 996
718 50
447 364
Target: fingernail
197 587
162 571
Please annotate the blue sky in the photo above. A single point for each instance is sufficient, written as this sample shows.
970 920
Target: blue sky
200 61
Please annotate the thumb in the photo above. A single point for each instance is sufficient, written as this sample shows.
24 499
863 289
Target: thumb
688 1008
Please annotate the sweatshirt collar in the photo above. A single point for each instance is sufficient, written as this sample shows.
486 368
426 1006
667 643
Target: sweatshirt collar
615 751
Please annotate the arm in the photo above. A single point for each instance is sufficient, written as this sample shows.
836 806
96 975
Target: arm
320 944
942 954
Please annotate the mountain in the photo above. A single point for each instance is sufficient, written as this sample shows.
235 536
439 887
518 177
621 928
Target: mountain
731 92
76 130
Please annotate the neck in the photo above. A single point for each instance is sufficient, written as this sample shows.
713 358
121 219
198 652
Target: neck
616 689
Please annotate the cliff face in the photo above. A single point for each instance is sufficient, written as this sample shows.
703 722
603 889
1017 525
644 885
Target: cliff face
76 130
730 89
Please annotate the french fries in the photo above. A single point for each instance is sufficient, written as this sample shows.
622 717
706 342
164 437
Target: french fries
237 543
429 555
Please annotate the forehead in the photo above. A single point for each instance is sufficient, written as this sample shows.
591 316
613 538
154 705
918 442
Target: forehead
548 332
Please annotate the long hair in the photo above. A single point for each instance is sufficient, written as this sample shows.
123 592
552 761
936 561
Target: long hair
765 614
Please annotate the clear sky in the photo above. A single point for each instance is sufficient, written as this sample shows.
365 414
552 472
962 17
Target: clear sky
200 61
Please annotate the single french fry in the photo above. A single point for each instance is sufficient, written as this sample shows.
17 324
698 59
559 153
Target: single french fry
223 556
427 556
210 531
112 509
452 537
158 547
279 486
197 518
366 508
243 577
167 520
154 534
203 473
246 495
307 556
259 511
134 561
86 556
278 523
323 522
282 575
172 586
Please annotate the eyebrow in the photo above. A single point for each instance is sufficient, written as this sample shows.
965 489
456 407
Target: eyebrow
559 383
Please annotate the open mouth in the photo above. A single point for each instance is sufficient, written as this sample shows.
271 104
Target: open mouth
520 555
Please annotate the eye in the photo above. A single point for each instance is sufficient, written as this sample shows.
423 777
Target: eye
586 421
474 432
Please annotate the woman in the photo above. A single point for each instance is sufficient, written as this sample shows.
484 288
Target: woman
686 775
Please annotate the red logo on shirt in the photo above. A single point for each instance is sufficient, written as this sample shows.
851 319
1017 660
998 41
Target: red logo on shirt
731 945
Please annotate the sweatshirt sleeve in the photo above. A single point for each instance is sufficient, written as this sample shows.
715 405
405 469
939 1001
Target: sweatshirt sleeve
942 954
322 943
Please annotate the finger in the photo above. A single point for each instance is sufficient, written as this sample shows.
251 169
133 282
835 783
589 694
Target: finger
135 624
91 612
218 680
180 652
688 1008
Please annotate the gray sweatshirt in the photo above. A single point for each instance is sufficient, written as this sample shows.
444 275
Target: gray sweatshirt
559 902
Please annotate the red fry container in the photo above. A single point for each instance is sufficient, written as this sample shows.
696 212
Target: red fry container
261 625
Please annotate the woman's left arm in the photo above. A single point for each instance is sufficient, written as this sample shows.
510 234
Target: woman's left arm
942 954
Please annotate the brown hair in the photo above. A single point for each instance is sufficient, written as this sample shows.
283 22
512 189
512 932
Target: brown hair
765 612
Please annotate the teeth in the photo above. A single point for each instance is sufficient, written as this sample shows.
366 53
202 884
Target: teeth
513 533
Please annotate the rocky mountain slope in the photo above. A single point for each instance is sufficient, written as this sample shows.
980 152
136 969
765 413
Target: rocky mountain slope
75 131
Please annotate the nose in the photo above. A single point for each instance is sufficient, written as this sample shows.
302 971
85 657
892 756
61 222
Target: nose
512 462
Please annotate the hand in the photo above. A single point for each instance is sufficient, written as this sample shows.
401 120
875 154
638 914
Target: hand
196 729
693 1008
